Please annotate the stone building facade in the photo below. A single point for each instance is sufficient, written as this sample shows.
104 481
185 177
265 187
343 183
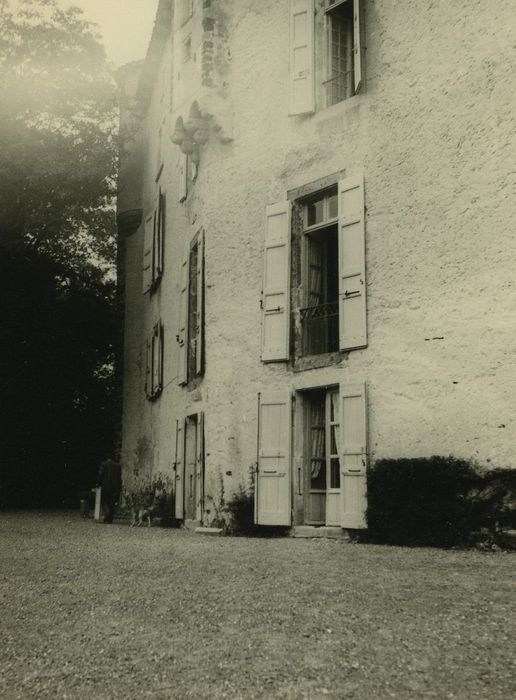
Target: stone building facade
316 219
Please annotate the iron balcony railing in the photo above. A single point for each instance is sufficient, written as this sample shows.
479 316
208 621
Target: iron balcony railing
320 328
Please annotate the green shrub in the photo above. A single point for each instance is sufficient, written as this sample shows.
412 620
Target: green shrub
422 501
240 509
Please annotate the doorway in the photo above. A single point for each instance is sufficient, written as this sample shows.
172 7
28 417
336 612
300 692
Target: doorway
322 487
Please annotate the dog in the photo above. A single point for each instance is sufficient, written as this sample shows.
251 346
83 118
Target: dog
141 514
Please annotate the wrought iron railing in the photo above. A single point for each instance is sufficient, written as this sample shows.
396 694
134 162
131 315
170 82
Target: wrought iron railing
320 328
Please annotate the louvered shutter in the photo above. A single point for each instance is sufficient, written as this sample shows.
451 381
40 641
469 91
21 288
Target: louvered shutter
353 455
148 374
148 240
179 467
199 350
182 336
160 240
301 88
155 359
352 272
357 41
159 354
183 191
273 475
199 466
276 292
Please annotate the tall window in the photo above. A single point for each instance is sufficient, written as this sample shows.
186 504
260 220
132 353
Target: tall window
190 335
340 47
320 315
154 362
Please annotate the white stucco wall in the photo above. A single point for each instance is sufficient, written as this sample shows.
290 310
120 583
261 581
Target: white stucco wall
433 133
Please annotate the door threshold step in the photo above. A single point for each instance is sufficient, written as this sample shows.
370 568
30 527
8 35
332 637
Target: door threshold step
191 524
328 531
213 531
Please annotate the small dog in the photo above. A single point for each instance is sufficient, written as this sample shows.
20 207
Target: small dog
139 514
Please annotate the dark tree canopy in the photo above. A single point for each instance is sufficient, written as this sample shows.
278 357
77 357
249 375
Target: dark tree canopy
58 157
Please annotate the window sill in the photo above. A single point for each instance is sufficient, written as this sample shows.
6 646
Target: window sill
328 359
337 110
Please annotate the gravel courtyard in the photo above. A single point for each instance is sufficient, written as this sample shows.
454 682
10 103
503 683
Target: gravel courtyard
108 611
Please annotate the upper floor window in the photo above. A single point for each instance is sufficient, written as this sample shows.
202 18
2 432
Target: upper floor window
325 53
153 244
191 328
314 288
154 362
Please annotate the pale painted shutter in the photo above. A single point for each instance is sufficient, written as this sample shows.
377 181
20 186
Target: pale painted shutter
148 240
357 40
200 304
182 336
353 455
301 81
276 292
199 465
352 271
273 473
179 467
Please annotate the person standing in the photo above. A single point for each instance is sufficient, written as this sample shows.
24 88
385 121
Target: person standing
110 482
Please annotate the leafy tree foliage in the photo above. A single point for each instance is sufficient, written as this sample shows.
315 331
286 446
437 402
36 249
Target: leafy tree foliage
58 155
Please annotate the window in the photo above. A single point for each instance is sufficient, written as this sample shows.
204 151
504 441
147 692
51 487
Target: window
325 53
154 363
191 331
340 83
319 316
314 284
188 176
154 238
187 48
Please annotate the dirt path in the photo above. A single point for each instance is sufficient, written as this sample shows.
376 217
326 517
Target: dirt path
96 611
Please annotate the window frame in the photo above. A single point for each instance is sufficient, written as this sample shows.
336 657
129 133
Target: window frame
154 354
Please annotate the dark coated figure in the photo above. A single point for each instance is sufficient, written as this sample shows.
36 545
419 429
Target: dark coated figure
110 482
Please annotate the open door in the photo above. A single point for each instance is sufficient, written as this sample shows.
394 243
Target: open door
353 455
179 468
273 497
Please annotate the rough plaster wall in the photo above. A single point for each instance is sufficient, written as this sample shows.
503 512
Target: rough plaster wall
433 133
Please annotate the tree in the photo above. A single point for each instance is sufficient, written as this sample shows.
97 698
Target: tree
58 148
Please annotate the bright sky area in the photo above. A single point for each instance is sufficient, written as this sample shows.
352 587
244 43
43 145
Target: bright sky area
126 25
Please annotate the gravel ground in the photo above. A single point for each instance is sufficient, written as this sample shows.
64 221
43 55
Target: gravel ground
108 611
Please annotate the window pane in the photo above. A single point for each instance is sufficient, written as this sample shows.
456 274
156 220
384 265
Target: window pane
318 474
334 474
334 406
334 437
333 206
315 212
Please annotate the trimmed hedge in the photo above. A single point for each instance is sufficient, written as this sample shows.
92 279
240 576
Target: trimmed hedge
422 501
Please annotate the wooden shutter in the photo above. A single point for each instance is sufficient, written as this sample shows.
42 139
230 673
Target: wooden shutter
273 474
148 374
182 336
301 82
276 292
148 241
183 190
357 43
160 238
155 359
159 358
199 466
352 272
179 467
353 455
199 353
